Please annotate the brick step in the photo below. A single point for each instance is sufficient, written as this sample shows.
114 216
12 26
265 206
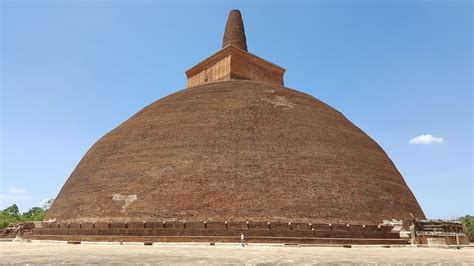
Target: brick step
433 226
219 225
224 239
212 232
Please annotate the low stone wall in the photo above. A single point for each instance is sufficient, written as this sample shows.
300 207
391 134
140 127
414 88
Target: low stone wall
219 232
450 240
8 233
440 232
16 229
221 225
438 226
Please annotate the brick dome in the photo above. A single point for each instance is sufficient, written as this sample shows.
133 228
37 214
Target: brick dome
236 150
236 145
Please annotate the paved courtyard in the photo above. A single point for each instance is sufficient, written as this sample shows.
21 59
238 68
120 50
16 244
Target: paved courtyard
93 253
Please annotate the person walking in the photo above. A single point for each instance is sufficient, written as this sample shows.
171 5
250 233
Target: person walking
242 239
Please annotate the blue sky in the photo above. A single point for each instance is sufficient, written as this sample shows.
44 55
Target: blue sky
73 70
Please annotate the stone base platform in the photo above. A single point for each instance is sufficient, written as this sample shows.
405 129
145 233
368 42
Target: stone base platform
216 232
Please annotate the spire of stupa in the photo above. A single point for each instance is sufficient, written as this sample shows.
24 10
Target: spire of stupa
234 31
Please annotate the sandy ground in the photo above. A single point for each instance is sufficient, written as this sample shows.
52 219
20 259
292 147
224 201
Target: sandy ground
92 253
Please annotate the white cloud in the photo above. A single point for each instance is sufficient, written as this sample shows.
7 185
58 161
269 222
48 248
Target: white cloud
426 140
16 191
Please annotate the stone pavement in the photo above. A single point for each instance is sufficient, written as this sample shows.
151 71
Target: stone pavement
172 253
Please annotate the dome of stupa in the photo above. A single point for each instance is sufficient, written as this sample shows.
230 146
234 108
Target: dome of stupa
236 145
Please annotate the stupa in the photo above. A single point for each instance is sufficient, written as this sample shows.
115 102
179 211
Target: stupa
234 147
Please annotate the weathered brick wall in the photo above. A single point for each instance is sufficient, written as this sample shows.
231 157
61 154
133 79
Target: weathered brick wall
233 63
440 232
442 240
225 231
220 70
438 226
252 68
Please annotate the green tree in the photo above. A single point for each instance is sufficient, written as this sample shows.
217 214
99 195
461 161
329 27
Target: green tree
6 219
12 211
468 224
34 214
11 215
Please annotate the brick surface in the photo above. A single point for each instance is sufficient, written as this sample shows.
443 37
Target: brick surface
218 232
236 150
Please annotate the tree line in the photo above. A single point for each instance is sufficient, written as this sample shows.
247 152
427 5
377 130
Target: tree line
12 215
